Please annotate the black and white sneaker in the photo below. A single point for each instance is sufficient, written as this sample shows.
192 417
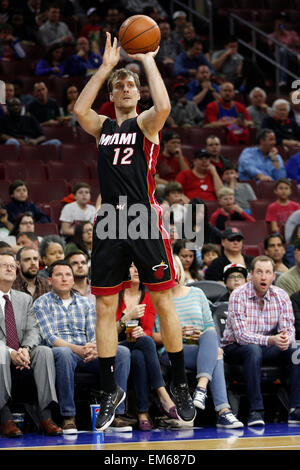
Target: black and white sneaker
184 404
108 404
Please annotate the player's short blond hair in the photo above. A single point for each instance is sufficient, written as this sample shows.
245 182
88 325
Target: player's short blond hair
122 74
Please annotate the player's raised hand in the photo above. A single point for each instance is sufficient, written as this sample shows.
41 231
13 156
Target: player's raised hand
111 54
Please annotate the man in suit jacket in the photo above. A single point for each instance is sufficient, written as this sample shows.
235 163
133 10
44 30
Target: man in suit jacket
20 350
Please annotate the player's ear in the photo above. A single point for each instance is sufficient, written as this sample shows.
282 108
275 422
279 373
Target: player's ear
111 97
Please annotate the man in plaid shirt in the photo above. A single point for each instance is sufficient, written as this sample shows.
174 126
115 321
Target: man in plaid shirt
260 330
67 322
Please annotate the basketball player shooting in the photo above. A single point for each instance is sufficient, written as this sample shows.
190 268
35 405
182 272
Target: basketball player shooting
128 148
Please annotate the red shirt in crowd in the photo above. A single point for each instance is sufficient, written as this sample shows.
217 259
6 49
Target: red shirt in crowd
168 167
193 186
278 213
147 320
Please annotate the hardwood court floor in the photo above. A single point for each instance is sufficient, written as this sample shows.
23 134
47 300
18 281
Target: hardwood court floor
271 437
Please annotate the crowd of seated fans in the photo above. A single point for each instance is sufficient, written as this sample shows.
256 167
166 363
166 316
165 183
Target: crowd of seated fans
225 148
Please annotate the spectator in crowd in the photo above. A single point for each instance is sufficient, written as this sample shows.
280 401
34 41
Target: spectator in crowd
145 101
10 47
201 349
228 210
6 248
200 225
243 192
279 211
174 202
9 94
295 299
184 113
19 194
203 180
289 257
229 114
203 90
24 222
113 18
27 239
27 279
78 211
70 95
262 162
258 109
169 48
51 249
274 248
292 167
213 146
21 29
5 10
53 62
286 130
260 327
82 239
187 62
209 252
135 304
232 252
20 130
294 100
85 61
79 262
170 160
34 14
234 276
22 353
54 30
180 21
91 29
290 230
188 260
44 108
289 281
24 98
67 323
5 224
290 38
228 62
189 34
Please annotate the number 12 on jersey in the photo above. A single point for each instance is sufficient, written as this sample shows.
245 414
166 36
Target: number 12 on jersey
124 158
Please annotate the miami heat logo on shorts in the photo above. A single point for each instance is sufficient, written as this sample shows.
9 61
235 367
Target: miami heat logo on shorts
159 270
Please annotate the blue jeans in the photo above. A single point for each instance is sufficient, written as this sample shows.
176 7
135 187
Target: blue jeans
146 370
252 357
66 362
56 142
203 357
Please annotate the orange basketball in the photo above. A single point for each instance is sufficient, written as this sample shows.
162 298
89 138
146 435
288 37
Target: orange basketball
139 34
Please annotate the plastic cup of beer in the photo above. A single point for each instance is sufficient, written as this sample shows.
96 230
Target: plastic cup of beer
130 325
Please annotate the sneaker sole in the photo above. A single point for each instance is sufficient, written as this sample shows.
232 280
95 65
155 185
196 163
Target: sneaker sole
106 425
70 431
293 421
256 423
121 429
230 426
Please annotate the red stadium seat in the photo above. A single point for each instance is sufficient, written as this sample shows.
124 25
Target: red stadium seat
4 195
251 250
232 152
212 206
8 152
93 168
34 169
38 152
197 135
259 208
42 230
254 232
188 151
83 137
2 173
70 153
55 208
64 133
46 191
67 171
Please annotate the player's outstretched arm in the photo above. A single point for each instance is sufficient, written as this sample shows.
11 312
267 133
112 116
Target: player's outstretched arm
89 120
152 120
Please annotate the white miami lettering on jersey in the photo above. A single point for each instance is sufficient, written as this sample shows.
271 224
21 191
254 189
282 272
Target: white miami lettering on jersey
118 139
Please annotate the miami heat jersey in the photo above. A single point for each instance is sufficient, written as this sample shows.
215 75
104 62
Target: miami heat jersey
126 163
